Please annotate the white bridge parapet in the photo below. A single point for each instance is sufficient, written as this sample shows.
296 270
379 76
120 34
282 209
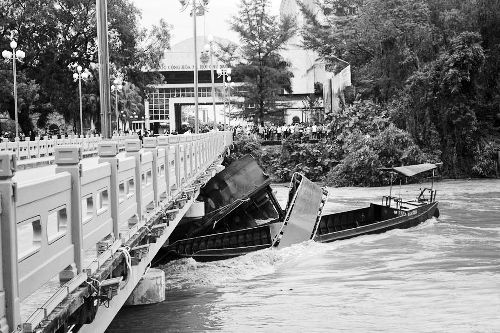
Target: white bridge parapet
52 218
32 153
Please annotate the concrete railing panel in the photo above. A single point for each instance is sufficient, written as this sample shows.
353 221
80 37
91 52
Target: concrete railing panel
161 173
127 202
146 180
95 198
43 230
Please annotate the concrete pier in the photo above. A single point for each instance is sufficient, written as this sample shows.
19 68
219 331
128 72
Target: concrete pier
150 289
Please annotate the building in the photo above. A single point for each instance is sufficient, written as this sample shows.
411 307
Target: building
171 104
309 73
305 68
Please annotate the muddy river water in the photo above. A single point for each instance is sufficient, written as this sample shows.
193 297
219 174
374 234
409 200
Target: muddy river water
441 276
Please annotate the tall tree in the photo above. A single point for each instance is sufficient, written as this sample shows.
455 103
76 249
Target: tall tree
58 34
264 72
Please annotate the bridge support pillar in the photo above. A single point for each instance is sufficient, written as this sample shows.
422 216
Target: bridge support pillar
10 315
150 289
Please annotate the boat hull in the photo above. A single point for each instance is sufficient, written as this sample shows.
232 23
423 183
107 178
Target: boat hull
364 221
225 245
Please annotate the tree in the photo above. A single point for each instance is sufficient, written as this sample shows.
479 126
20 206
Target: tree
444 97
264 72
58 34
130 102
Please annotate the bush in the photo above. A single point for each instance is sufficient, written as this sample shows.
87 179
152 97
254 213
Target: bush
312 160
365 155
244 145
484 160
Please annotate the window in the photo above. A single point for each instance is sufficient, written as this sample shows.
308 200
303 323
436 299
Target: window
57 223
102 201
87 208
121 192
131 187
29 236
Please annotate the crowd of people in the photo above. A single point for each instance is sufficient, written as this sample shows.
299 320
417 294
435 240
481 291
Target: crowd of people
303 131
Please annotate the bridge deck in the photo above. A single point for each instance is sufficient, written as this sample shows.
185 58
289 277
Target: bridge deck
88 215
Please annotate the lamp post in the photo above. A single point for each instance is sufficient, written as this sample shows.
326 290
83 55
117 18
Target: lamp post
79 76
14 55
116 87
198 6
230 86
209 48
225 72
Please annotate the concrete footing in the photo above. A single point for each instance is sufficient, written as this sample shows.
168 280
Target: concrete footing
150 289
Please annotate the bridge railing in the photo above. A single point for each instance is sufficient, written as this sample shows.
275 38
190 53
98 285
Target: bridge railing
49 222
44 146
44 244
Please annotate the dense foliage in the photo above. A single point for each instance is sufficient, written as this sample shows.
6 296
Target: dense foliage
424 70
59 35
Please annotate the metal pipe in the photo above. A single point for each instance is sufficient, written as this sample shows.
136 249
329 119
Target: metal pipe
81 106
213 83
196 125
104 84
14 59
116 111
224 96
229 104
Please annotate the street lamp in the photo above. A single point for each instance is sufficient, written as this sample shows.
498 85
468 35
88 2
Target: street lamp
116 87
230 86
209 48
8 55
225 72
198 8
79 76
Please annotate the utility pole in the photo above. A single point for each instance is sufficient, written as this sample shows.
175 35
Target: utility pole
104 84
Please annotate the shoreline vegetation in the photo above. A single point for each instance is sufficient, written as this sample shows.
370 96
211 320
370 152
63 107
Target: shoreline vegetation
338 162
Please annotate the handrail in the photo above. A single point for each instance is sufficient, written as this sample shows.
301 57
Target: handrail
73 207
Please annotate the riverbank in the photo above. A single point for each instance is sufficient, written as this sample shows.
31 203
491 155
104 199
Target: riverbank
344 162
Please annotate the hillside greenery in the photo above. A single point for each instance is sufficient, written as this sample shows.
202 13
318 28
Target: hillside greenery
426 73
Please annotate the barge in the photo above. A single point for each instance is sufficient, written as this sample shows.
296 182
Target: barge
239 213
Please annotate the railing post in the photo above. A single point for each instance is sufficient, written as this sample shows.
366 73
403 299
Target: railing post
10 315
107 151
133 149
163 143
150 144
67 159
175 141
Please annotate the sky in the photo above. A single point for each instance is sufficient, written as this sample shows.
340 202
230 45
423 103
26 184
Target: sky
215 22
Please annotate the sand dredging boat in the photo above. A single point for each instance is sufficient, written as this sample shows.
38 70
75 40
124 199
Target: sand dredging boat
237 213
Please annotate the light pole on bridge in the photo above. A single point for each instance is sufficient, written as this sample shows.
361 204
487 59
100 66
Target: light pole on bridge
117 87
198 6
225 72
209 48
79 76
14 56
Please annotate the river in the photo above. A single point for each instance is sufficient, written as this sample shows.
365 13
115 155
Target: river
441 276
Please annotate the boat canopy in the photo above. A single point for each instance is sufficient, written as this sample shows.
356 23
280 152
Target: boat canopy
412 170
